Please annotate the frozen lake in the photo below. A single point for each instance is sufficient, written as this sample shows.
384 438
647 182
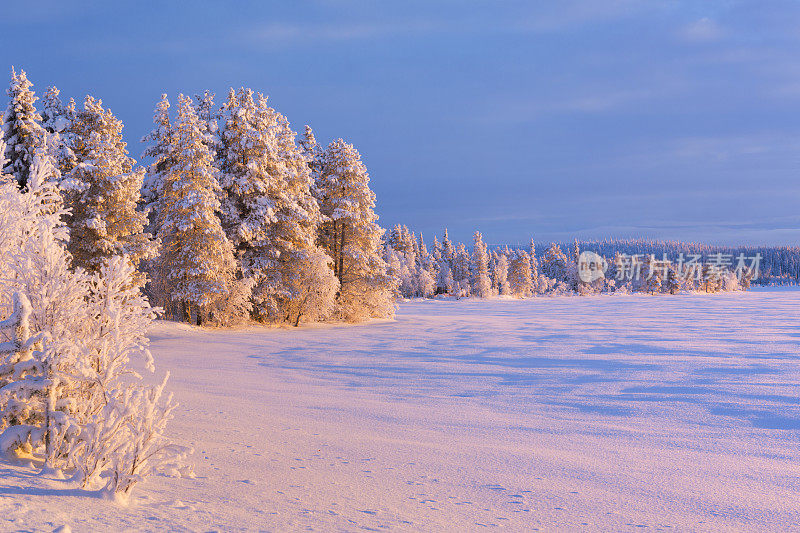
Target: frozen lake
605 412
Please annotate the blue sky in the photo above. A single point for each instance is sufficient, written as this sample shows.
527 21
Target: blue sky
660 119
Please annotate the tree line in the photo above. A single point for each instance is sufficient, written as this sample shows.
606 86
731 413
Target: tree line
233 217
453 269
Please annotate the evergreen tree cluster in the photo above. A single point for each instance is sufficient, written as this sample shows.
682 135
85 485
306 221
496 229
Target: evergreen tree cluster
779 265
234 216
450 269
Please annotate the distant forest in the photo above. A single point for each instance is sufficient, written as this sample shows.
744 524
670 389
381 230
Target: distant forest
780 265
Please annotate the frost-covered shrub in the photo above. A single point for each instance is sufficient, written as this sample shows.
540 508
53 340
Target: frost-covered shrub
69 393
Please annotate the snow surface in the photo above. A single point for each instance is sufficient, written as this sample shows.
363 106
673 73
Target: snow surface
605 412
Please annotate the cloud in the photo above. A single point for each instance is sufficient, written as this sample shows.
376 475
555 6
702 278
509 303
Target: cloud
704 30
568 14
293 34
516 110
712 149
519 18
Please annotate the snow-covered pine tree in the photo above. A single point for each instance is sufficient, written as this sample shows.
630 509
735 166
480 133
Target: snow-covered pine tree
22 129
425 278
481 284
393 238
415 247
534 266
159 149
519 274
493 272
351 235
653 275
730 281
502 274
57 121
461 272
312 151
673 281
611 272
711 278
207 114
428 264
270 213
196 263
448 250
104 197
397 268
402 252
55 115
745 279
445 254
573 278
247 209
436 252
576 252
555 264
306 282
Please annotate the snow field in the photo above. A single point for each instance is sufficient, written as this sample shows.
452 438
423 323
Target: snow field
617 413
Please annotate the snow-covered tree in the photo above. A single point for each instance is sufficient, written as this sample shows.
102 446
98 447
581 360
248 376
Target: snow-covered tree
307 282
730 282
22 130
122 420
57 121
55 116
448 250
534 266
207 115
246 138
461 272
429 267
576 252
105 192
311 151
269 210
481 284
310 292
519 274
711 280
158 150
402 240
436 250
555 264
653 272
37 370
351 235
426 284
501 273
196 264
412 268
397 268
66 371
493 272
444 255
673 281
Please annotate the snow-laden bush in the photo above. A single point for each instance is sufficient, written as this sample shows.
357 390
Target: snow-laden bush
70 395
